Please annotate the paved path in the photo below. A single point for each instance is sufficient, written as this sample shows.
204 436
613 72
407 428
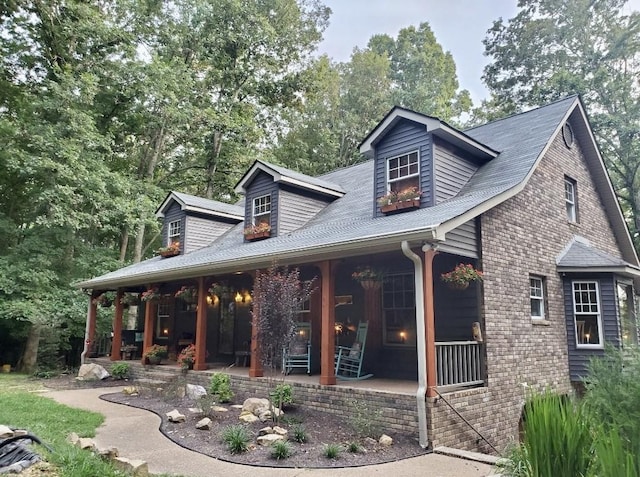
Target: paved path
136 434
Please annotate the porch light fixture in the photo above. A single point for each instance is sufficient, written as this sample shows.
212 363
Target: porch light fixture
165 332
403 336
247 297
212 300
238 298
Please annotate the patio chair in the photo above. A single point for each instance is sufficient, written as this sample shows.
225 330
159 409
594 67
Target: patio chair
349 359
298 354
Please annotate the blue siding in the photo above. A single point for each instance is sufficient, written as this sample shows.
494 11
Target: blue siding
173 213
404 138
579 358
263 184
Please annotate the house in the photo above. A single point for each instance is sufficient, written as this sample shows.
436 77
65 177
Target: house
525 199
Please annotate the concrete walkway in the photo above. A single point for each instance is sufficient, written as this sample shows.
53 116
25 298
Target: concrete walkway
136 434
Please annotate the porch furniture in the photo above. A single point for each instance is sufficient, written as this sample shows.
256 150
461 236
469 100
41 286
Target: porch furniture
298 354
242 356
349 359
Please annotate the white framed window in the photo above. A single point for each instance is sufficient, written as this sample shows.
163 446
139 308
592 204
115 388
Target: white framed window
399 310
537 297
173 232
262 210
586 314
403 172
163 319
571 199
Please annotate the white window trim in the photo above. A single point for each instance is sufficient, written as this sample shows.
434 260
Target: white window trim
174 237
541 298
389 159
253 208
599 316
574 209
163 312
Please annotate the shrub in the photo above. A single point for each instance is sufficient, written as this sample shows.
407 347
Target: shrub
121 370
220 386
205 403
236 437
365 419
299 433
281 395
281 450
332 451
353 447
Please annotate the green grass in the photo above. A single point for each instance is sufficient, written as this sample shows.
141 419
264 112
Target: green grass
20 407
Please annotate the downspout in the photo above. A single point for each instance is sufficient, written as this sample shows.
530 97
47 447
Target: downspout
85 349
421 345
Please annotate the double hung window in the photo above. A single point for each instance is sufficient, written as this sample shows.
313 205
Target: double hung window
403 172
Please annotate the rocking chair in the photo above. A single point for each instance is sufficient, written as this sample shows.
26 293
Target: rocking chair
298 354
349 360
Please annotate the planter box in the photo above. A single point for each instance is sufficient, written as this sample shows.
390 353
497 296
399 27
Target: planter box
257 236
400 206
169 253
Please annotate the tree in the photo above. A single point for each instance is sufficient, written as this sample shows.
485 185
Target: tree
553 48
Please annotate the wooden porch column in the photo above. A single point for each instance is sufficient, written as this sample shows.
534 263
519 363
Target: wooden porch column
255 363
116 342
429 322
150 312
328 334
91 324
201 327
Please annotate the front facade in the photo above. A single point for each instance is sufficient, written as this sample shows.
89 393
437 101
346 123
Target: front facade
526 200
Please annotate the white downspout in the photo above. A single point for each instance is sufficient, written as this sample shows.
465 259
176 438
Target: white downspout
421 344
86 334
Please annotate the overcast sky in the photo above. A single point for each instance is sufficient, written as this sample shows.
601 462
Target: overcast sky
459 26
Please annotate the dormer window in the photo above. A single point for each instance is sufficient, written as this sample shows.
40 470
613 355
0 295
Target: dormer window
173 232
262 210
403 172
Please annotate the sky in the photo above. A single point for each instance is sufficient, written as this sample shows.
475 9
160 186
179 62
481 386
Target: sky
459 26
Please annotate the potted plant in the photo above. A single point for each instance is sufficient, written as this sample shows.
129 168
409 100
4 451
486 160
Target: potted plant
155 354
170 250
187 357
130 299
187 293
152 294
258 231
368 277
408 198
460 277
105 300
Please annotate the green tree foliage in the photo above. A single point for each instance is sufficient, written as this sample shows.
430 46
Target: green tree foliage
553 48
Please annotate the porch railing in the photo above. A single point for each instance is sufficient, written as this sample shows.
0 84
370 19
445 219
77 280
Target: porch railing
459 363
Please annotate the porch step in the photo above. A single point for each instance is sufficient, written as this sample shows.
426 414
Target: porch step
462 454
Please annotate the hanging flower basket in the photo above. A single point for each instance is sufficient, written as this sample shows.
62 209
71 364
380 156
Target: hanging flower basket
151 295
370 284
368 277
130 299
460 277
188 294
104 300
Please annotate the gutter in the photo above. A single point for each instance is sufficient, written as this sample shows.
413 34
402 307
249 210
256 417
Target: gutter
421 344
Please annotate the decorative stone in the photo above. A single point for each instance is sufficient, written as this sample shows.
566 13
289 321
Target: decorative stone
195 391
385 440
195 410
137 468
370 441
248 417
86 443
109 454
92 372
204 424
130 391
236 406
269 439
253 404
219 409
5 431
264 415
175 416
265 430
280 431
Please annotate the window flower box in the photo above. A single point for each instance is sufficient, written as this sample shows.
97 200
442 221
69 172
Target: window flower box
170 251
257 232
406 199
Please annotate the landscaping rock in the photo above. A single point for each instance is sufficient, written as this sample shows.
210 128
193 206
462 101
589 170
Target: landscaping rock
236 406
195 391
108 454
248 417
204 424
195 410
269 439
137 468
176 416
86 443
280 431
219 409
385 440
254 404
5 431
92 372
130 391
265 430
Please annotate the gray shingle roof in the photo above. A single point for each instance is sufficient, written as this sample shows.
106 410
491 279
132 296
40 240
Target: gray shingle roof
213 206
348 224
580 254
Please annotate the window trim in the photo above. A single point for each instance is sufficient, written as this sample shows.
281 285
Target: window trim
579 345
408 343
163 316
573 217
171 227
254 205
542 298
388 170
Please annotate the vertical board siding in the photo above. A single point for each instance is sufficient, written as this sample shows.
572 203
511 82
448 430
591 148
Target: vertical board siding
263 184
296 209
404 138
200 232
462 240
173 213
453 169
579 358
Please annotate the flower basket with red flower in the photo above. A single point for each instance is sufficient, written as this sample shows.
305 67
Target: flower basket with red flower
188 294
408 198
152 294
368 277
258 231
460 277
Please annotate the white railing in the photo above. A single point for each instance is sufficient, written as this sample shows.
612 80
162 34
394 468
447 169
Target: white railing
459 363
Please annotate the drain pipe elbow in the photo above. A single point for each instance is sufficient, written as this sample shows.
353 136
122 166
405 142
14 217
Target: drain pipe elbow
421 344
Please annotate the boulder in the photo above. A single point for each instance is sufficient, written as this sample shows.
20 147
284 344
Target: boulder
204 424
269 439
137 468
195 391
92 372
385 440
253 404
175 416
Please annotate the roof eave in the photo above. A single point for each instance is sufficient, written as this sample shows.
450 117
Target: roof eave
624 270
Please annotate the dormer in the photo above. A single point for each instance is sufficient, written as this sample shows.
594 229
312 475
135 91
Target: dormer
412 150
195 222
281 200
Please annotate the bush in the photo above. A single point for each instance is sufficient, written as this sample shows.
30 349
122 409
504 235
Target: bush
299 433
236 437
220 386
353 447
364 419
120 370
281 450
281 395
332 451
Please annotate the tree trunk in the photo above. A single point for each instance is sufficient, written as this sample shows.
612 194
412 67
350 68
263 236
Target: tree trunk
123 244
212 163
137 253
30 356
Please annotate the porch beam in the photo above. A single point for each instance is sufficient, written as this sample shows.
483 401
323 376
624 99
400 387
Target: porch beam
201 327
150 312
116 342
328 319
429 325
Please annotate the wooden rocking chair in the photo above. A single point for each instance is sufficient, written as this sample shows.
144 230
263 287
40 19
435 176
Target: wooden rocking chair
349 359
298 354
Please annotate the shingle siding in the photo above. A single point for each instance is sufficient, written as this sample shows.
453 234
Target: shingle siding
263 184
453 169
404 138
